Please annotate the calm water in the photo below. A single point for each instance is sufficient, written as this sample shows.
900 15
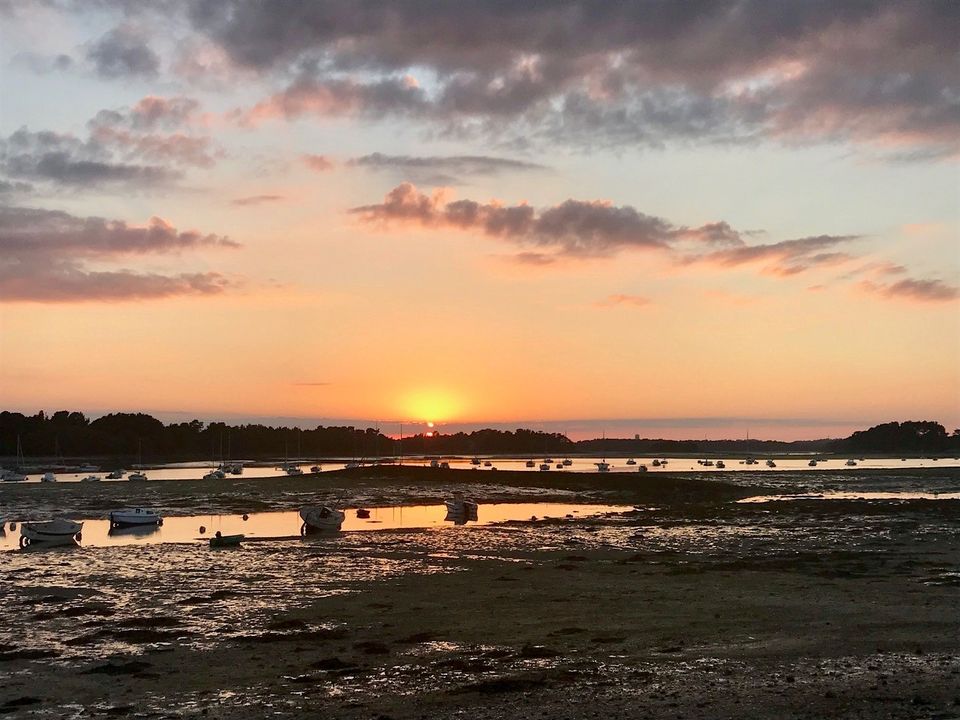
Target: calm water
286 525
195 471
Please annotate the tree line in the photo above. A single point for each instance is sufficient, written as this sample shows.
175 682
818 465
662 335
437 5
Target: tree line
128 436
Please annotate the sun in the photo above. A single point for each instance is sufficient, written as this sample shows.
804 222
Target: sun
431 405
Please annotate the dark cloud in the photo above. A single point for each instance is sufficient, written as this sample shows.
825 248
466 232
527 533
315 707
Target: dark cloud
443 170
257 200
787 257
574 227
125 147
42 64
597 72
123 53
44 257
915 290
8 187
67 161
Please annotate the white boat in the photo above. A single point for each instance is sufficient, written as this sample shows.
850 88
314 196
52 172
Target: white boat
134 517
851 463
215 475
91 478
603 466
13 476
294 470
115 475
544 467
531 463
631 461
320 518
51 532
771 464
461 507
137 476
567 462
48 477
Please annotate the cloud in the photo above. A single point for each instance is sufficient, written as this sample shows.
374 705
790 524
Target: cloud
45 256
8 187
628 300
123 53
914 290
880 74
784 258
125 146
574 227
257 200
42 64
442 170
318 163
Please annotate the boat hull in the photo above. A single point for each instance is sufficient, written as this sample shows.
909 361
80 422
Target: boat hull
134 518
52 532
320 519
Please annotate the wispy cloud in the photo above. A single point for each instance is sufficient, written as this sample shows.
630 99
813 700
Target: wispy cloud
257 200
917 290
443 170
46 257
624 300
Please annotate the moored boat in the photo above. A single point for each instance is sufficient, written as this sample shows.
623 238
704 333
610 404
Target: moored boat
137 476
134 517
603 466
363 513
461 507
631 461
320 518
48 477
90 478
221 540
115 475
51 532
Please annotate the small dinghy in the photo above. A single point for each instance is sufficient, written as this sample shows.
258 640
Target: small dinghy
461 508
220 540
320 518
51 532
134 517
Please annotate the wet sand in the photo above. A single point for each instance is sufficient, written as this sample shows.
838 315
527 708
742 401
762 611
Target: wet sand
681 608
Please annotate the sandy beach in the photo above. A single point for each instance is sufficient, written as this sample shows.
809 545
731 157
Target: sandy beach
690 605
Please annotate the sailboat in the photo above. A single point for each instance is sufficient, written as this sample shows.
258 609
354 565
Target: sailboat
603 465
139 475
17 474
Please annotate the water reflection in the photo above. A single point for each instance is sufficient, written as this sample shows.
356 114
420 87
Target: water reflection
285 525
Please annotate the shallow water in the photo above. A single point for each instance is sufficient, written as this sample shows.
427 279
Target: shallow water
285 525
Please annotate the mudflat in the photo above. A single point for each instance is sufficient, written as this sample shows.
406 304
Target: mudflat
689 606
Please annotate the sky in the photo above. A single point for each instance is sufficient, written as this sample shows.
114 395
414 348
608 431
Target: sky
698 219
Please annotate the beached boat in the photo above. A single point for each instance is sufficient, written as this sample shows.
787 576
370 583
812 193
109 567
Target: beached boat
320 518
315 469
544 467
771 464
567 462
115 475
631 461
462 507
851 463
721 464
655 463
133 517
90 478
52 532
215 475
603 466
48 477
488 464
812 463
642 468
531 463
14 476
475 461
137 476
220 540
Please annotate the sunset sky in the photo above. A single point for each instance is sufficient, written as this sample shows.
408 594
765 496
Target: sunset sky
672 219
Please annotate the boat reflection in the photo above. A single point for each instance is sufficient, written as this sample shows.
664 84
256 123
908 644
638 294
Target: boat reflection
133 530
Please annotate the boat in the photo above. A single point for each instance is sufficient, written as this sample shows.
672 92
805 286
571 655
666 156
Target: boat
461 507
531 463
137 476
488 464
435 464
603 466
851 463
363 513
642 468
475 461
708 463
549 461
750 461
771 464
567 462
16 475
721 464
90 478
220 540
88 468
631 461
234 468
812 463
115 475
315 469
215 475
320 518
48 477
134 517
544 467
655 463
51 532
559 466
